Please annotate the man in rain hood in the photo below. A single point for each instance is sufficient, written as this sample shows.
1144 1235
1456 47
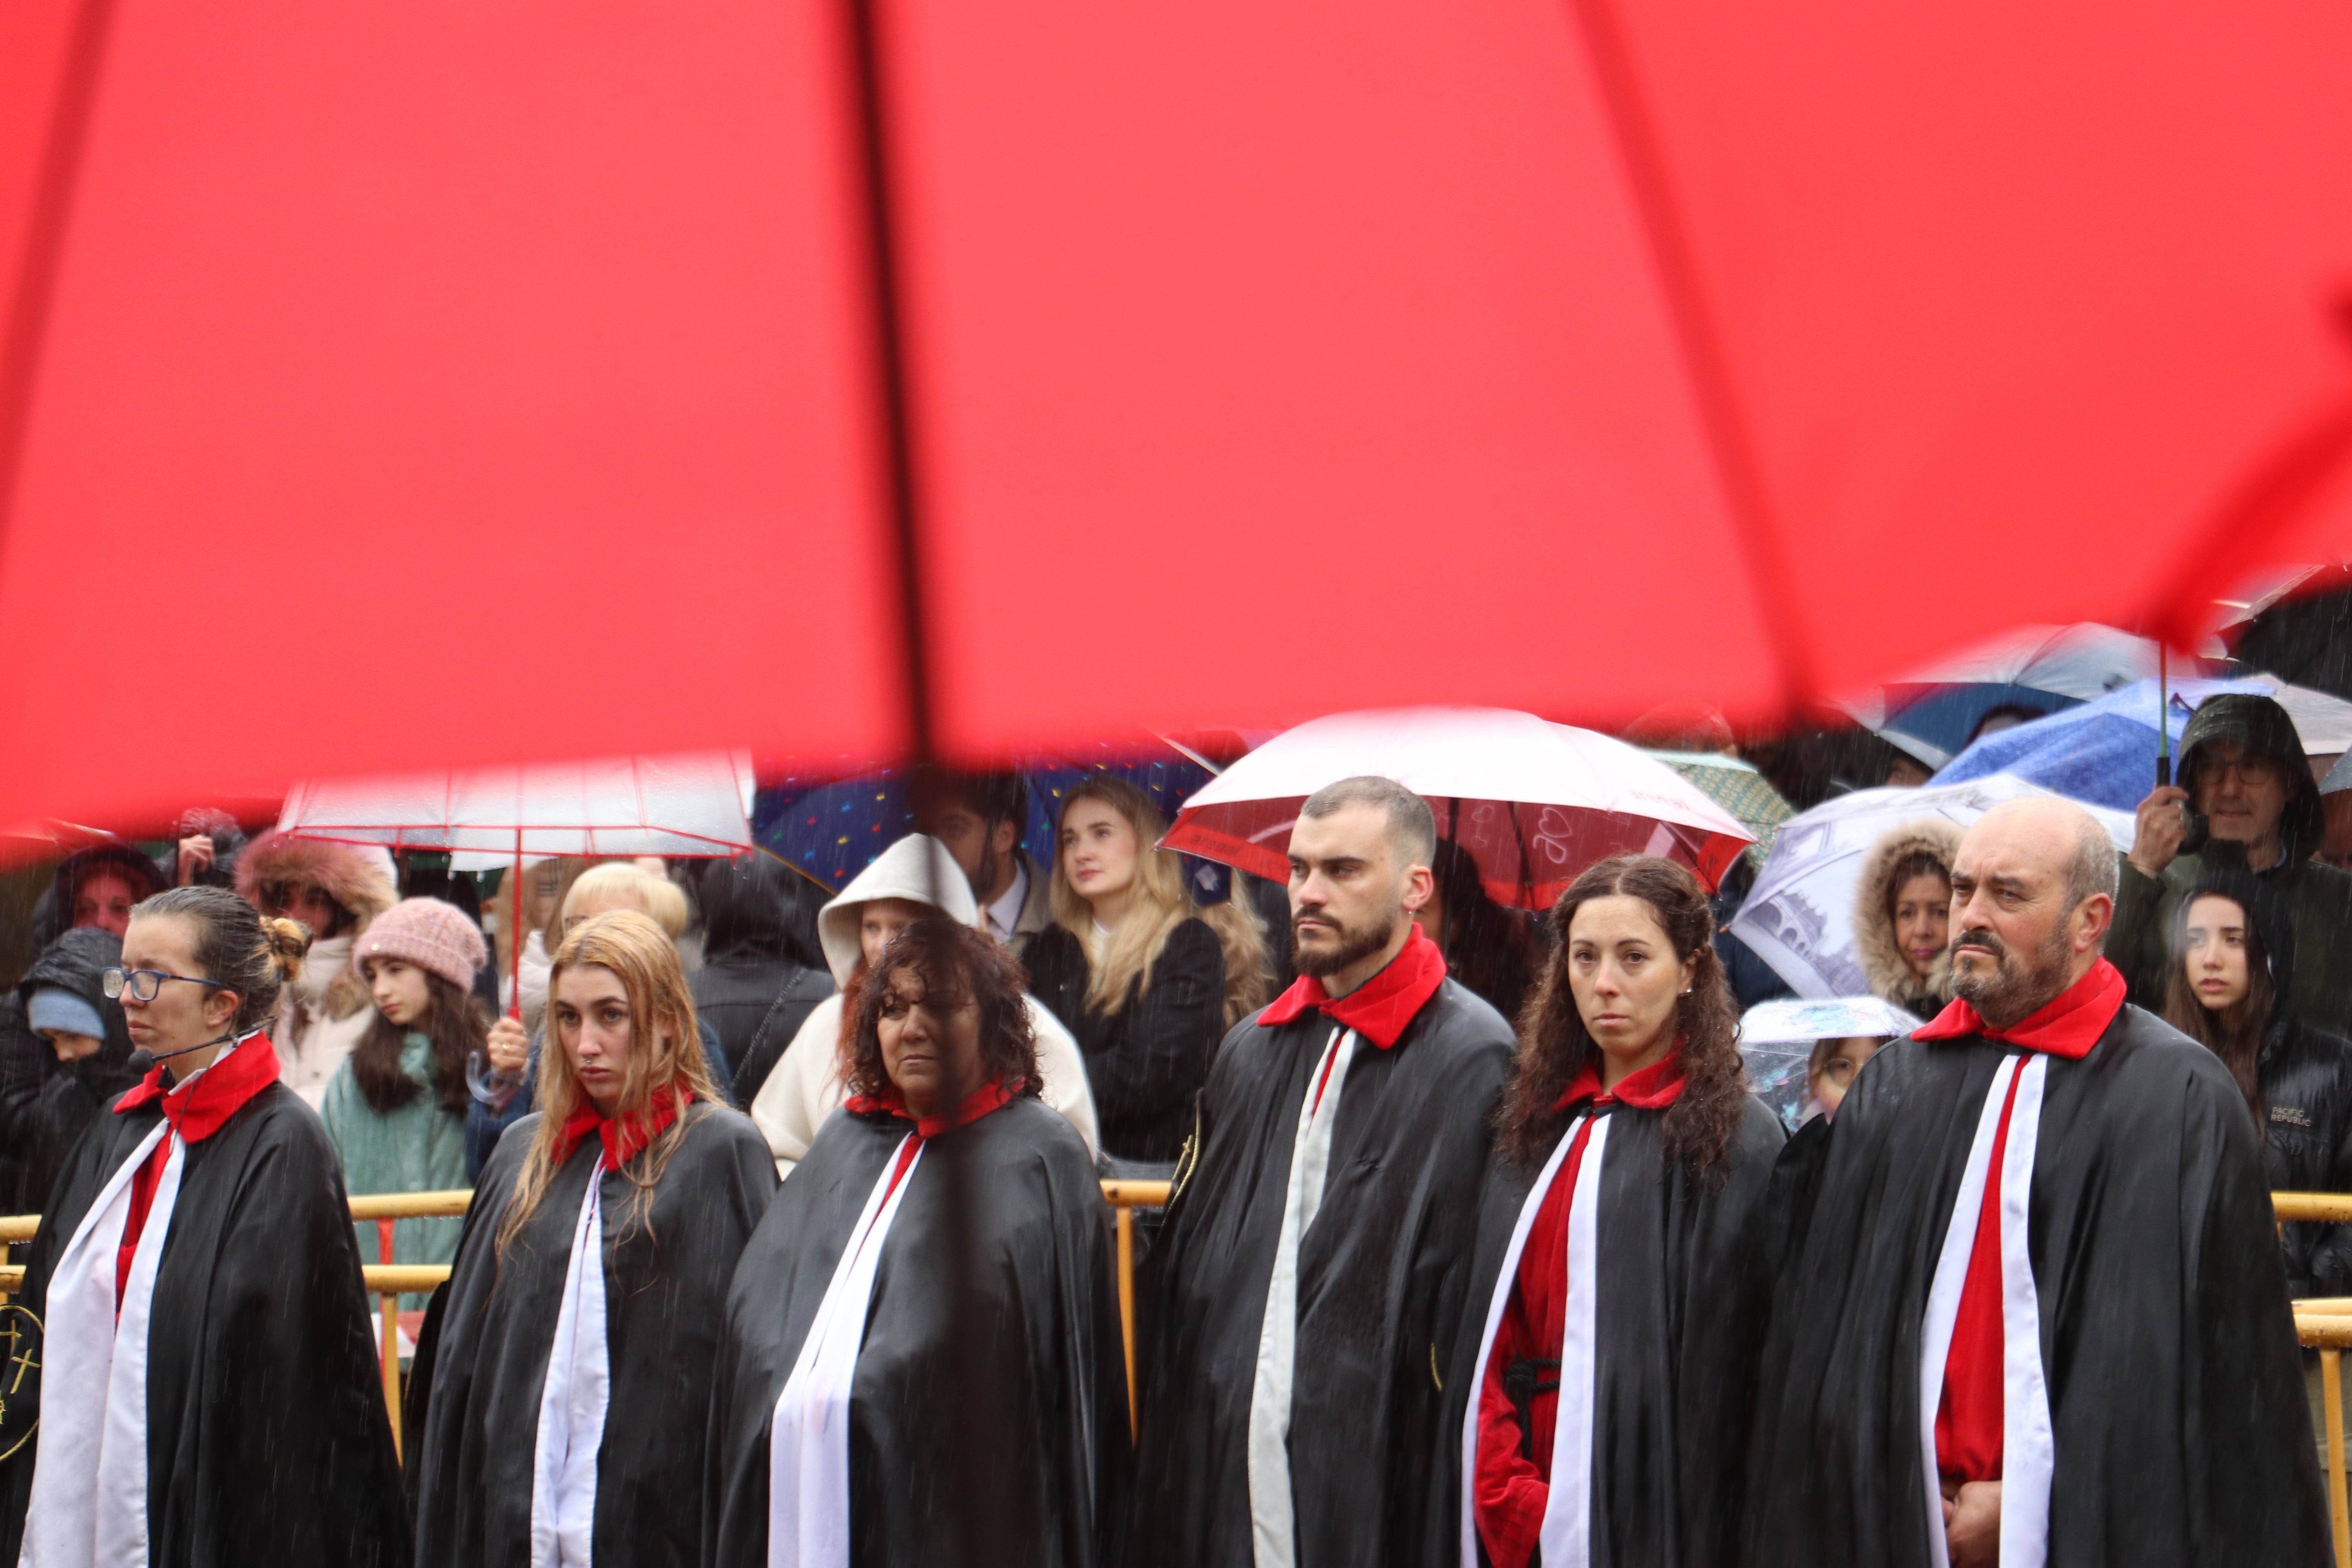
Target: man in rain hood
2246 798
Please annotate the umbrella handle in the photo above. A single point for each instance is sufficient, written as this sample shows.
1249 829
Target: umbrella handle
514 940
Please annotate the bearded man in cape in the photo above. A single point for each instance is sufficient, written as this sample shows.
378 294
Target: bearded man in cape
2032 1310
1311 1276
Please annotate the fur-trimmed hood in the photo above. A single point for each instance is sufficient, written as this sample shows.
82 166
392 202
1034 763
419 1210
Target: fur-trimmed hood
357 879
1890 974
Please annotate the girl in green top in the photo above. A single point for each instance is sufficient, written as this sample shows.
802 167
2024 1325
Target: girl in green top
396 1109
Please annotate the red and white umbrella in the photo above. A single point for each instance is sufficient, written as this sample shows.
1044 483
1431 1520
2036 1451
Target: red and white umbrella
1532 802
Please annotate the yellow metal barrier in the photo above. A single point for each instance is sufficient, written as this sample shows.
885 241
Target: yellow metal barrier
388 1281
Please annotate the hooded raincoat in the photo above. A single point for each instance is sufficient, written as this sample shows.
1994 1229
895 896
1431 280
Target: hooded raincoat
2318 898
807 1085
1884 962
757 984
326 1008
45 1103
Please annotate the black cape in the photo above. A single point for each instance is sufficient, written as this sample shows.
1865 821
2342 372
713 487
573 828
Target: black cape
267 1440
1383 1280
1684 1288
2175 1390
665 1274
1039 1347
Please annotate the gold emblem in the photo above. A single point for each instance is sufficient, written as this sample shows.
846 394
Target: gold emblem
20 1378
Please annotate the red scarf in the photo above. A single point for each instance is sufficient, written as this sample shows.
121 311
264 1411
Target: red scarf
193 1112
988 1096
1379 1009
1969 1419
623 1135
1652 1088
2067 1025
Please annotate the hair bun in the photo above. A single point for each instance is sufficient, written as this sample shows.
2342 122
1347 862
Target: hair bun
289 941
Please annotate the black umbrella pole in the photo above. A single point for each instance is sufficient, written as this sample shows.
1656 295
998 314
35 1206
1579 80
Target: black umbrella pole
976 1509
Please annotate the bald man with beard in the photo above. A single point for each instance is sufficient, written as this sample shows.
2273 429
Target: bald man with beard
2031 1310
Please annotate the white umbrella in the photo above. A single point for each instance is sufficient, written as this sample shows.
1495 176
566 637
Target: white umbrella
682 807
1798 918
1532 802
1777 1039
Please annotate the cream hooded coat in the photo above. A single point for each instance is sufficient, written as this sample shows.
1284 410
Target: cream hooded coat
806 1086
1892 978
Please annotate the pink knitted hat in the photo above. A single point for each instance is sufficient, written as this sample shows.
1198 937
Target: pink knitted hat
428 933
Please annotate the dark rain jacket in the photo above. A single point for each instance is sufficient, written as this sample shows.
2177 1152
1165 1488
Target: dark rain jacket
1147 1061
45 1103
759 978
2318 898
2304 1080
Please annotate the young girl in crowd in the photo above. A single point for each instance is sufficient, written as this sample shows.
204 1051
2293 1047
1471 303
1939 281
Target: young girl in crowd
911 879
1147 981
2231 987
335 890
1832 1071
396 1108
1617 1310
1902 915
569 1369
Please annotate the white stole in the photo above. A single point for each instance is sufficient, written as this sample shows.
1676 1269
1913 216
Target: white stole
573 1401
808 1437
1567 1535
1273 1531
89 1503
2027 1449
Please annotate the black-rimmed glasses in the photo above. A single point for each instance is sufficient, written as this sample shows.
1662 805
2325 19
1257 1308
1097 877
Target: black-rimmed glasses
141 984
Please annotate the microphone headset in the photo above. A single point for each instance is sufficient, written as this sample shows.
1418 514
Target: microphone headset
142 1061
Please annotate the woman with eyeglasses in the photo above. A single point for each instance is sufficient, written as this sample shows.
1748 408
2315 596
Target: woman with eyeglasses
195 1341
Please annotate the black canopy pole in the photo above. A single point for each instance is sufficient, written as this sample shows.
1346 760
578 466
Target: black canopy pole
2163 723
978 1525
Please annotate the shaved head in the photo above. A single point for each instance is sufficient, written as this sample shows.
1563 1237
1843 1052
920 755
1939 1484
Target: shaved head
2033 892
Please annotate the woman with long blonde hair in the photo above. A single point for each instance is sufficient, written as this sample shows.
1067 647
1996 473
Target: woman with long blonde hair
567 1388
1148 981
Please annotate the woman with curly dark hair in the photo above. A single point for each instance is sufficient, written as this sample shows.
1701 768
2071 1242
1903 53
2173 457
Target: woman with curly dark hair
852 1335
1620 1298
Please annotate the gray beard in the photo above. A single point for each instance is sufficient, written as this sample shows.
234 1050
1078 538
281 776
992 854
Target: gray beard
1354 947
2015 989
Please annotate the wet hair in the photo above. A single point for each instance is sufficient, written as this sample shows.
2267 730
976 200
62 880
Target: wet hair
945 953
1488 948
1554 1046
642 956
237 947
2234 1033
1161 905
1412 829
620 879
2094 868
457 1031
993 797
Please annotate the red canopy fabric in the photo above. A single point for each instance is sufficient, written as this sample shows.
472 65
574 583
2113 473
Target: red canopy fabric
384 387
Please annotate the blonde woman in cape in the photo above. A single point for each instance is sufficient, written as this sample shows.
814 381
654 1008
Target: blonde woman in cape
566 1371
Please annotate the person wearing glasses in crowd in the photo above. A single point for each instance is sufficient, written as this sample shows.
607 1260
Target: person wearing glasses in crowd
2246 801
195 1336
505 1093
566 1375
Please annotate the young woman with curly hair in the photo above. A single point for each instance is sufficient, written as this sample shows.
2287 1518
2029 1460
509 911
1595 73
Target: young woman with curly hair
849 1301
568 1370
1618 1300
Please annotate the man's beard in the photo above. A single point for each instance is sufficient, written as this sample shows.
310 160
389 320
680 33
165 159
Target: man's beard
2017 985
1351 947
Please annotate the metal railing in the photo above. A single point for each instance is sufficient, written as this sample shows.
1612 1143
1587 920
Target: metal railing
388 1281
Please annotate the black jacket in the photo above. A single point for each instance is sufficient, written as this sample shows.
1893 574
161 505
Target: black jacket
1147 1061
758 979
2304 1076
45 1103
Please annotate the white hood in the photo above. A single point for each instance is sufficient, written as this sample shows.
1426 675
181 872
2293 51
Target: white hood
897 873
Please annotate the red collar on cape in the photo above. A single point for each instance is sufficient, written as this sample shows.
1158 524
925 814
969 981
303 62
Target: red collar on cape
2067 1025
198 1109
988 1096
623 1135
1652 1088
1377 1010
